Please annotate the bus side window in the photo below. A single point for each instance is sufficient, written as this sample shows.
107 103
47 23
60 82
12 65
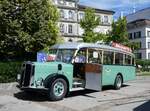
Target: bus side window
119 58
94 56
127 60
108 57
133 61
81 56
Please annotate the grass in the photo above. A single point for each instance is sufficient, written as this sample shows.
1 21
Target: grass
143 74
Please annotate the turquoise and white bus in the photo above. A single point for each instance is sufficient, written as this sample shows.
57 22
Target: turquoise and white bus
73 66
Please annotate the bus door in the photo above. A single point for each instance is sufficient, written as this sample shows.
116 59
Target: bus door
93 71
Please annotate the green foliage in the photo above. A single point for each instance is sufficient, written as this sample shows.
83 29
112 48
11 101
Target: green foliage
89 23
145 64
134 45
27 26
8 71
145 73
119 31
60 40
99 37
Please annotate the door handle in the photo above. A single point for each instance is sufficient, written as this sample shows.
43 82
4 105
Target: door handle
107 70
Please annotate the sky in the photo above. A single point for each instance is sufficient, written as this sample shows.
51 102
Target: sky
119 6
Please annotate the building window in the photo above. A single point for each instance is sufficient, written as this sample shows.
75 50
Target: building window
130 36
81 15
62 28
148 45
138 55
105 19
148 33
70 4
70 28
62 14
70 14
137 34
148 55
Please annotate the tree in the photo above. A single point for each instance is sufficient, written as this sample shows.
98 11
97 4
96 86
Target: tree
99 37
27 26
119 31
89 23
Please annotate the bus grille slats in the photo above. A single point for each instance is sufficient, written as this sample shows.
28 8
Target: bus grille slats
27 73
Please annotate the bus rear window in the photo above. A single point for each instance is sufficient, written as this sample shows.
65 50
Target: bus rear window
108 57
119 58
127 60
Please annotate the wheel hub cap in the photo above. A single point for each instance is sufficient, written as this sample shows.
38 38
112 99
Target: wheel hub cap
58 89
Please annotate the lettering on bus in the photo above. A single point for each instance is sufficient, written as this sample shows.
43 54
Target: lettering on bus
120 46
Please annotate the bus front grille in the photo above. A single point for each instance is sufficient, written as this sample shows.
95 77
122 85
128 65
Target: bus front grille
27 74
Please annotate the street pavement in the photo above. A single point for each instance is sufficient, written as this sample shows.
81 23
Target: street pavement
133 96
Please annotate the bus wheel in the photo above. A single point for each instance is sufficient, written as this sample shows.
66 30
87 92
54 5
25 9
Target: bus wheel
57 90
118 82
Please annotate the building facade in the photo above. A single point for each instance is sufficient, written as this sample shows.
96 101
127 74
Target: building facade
68 19
70 15
106 18
139 32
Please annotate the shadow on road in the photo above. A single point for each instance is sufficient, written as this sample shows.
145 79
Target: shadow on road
81 93
143 107
111 87
32 96
41 97
38 96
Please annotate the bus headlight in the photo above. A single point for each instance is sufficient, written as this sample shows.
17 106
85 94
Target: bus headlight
18 77
39 82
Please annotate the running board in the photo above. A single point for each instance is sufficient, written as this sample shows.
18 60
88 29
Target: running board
77 89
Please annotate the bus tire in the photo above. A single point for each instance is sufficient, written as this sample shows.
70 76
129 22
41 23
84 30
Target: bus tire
57 89
118 82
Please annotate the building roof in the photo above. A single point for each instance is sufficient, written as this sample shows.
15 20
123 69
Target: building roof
139 15
71 45
83 7
139 11
140 20
138 23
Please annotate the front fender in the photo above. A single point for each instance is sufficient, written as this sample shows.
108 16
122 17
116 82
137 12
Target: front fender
49 79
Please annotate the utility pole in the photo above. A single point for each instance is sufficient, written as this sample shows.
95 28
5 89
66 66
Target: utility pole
134 5
122 14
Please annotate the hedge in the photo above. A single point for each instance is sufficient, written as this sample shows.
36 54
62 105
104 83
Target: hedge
144 63
8 71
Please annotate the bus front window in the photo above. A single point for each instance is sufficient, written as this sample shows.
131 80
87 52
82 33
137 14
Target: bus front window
51 55
65 55
81 56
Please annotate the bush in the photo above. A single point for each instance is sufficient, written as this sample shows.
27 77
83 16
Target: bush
145 65
8 71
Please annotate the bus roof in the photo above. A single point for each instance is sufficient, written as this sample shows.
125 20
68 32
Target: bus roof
74 45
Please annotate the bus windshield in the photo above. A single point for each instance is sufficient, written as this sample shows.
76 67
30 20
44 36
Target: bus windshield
62 55
65 55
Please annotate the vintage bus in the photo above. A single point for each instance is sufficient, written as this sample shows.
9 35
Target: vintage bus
74 66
